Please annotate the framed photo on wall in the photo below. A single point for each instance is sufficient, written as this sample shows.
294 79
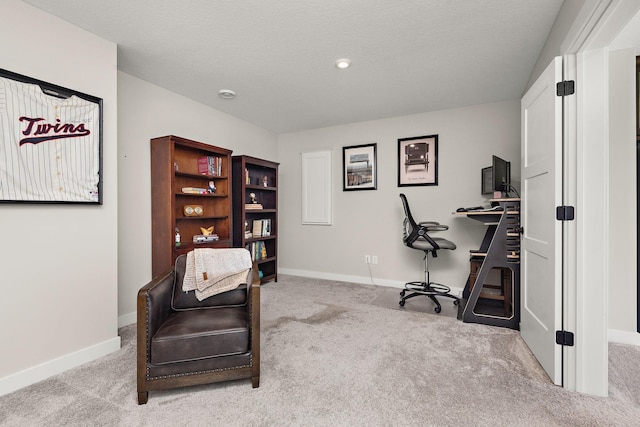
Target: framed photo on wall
418 161
359 167
51 138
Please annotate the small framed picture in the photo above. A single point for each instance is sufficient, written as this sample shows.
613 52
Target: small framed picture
359 167
418 161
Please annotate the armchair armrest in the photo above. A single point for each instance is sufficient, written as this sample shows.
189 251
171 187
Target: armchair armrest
153 308
254 301
254 315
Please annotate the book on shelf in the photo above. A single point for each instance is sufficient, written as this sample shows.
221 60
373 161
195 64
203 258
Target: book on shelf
257 228
261 251
205 238
210 165
194 190
266 227
250 206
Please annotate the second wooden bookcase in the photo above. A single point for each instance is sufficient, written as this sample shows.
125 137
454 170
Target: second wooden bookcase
255 211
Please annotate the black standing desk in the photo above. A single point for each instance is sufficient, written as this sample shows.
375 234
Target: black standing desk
499 254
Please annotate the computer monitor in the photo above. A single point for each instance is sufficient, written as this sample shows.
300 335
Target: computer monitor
501 174
487 180
496 177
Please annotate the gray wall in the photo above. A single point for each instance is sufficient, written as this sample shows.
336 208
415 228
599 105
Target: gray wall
370 222
59 262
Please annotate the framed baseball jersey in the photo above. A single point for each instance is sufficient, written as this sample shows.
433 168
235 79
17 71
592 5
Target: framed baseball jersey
50 142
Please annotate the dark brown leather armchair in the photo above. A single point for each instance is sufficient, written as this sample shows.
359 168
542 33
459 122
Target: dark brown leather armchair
183 341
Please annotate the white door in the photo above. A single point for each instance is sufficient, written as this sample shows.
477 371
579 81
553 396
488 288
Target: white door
541 252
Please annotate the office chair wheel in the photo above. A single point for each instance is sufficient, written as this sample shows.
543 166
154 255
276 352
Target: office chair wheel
402 293
456 302
437 309
401 302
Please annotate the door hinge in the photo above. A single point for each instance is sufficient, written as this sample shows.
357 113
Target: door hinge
565 213
564 338
567 87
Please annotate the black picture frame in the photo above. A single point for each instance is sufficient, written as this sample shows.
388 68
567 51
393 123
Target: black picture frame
54 159
418 161
359 167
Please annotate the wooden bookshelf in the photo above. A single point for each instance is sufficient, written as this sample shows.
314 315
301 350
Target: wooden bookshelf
174 165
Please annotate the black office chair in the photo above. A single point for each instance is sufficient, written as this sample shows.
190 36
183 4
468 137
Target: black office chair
416 236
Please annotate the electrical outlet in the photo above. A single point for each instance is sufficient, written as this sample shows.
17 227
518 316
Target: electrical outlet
367 259
374 259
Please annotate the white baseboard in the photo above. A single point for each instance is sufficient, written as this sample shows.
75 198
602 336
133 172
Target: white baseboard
56 366
351 279
127 319
624 337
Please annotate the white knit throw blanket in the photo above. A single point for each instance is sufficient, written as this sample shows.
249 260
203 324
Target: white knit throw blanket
214 271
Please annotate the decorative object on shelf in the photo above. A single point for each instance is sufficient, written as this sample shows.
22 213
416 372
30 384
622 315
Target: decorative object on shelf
418 161
254 202
212 187
177 237
207 235
265 181
193 210
359 167
207 231
51 136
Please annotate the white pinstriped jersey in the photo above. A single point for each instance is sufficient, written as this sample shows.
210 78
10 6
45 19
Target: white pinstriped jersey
49 147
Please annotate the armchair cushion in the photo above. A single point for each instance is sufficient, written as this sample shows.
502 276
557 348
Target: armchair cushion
187 300
199 334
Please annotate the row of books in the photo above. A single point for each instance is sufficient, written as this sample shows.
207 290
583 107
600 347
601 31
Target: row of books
258 250
205 238
194 190
261 228
210 165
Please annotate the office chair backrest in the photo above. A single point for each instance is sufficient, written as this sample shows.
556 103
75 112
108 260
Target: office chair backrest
413 232
407 212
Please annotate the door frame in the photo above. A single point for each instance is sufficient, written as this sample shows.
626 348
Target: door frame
586 307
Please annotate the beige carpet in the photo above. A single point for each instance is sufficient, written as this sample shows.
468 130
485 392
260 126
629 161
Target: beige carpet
342 354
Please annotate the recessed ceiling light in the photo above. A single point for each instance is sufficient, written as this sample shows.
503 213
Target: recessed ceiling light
343 63
226 94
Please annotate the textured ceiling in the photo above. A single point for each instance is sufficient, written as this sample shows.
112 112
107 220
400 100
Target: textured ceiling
408 56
